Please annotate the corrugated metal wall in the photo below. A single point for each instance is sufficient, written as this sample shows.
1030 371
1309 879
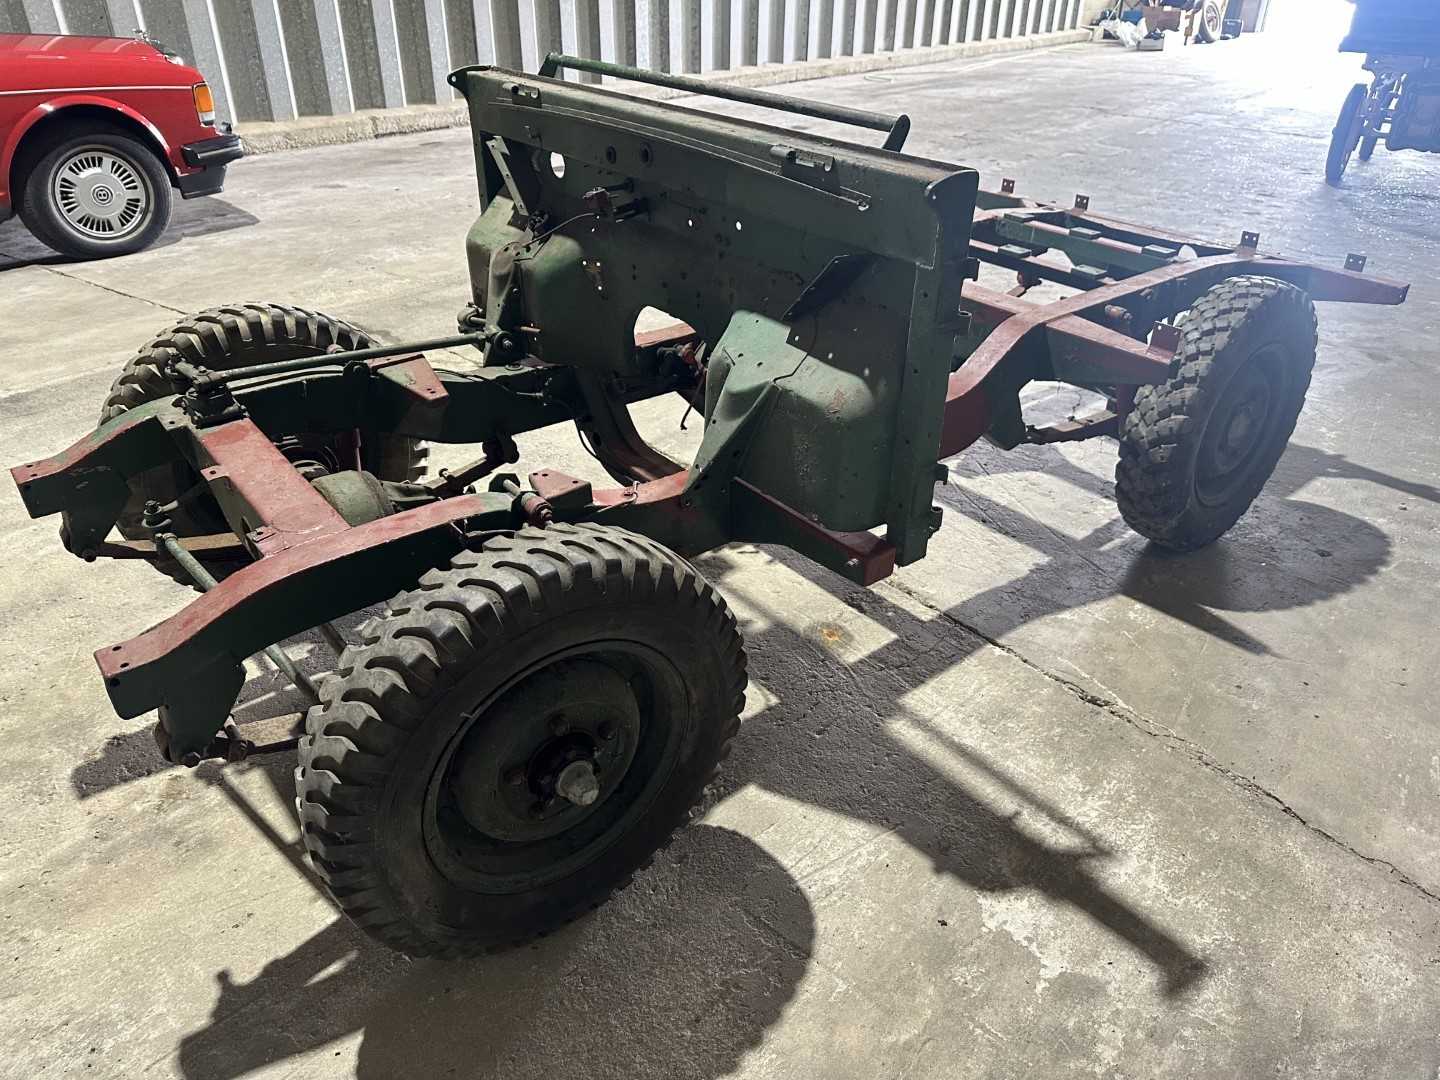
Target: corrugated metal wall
278 59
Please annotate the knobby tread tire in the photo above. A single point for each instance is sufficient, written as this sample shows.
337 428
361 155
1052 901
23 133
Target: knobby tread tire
354 752
1161 435
220 338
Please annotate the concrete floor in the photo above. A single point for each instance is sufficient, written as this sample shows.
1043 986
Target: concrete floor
1047 804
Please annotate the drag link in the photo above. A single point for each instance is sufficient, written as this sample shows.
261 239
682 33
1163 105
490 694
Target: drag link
204 379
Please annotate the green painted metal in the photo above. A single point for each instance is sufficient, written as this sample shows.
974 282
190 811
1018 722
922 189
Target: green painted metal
832 405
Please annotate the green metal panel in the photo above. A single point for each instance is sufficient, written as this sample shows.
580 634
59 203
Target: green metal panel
831 403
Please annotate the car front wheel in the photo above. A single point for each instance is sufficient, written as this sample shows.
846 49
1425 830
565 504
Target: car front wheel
96 194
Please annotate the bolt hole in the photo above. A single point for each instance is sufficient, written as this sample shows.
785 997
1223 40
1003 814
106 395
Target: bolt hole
610 154
645 155
125 664
739 226
557 166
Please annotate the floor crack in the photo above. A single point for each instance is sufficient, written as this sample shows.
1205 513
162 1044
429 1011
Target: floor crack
103 288
1173 740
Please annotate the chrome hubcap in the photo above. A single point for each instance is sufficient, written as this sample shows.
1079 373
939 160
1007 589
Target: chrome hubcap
101 195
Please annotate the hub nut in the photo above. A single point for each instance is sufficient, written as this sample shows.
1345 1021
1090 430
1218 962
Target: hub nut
578 783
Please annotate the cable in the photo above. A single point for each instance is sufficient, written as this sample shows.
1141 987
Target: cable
557 228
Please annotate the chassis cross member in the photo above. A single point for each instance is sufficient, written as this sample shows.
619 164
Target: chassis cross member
554 684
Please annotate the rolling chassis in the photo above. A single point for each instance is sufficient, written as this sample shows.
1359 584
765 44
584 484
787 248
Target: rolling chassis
553 683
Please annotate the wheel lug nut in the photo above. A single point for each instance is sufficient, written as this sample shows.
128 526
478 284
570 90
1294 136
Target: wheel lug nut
558 726
515 776
607 731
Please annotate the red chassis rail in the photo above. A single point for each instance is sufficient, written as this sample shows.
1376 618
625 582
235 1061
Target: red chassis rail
1072 332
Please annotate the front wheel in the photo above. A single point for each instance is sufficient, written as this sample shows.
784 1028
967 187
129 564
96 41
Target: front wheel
96 194
516 737
1196 450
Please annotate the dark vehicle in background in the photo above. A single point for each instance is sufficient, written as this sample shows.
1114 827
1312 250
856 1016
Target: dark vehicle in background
94 134
1401 105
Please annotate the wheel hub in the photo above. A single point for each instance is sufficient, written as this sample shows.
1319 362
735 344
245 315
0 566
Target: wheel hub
100 194
552 750
1236 431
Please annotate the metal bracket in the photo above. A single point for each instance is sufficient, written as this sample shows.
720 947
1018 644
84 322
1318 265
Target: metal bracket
1082 202
1249 241
839 274
1165 336
1007 186
519 177
1355 263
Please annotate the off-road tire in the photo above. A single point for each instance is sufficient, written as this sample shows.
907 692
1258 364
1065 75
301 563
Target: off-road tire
437 661
222 338
1239 322
36 202
1344 138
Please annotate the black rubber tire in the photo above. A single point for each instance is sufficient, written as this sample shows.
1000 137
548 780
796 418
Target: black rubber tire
1367 147
1344 137
43 218
431 669
1211 23
1239 322
222 338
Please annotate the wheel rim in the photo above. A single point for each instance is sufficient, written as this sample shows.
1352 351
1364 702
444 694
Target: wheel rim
497 816
1212 19
102 195
1237 431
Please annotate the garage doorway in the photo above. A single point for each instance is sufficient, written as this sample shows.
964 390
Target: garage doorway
1317 24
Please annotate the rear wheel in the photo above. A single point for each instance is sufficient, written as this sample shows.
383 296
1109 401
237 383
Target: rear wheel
96 194
1196 450
1346 137
516 737
237 336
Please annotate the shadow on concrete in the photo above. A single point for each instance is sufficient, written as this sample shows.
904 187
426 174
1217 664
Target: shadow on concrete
830 742
1285 553
674 981
192 219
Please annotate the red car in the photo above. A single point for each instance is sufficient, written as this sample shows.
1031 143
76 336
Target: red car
94 132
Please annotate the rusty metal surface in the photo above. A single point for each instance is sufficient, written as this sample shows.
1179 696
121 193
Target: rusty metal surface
136 671
966 409
415 374
261 493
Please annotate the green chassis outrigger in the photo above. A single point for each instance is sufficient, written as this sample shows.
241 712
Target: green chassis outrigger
554 684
